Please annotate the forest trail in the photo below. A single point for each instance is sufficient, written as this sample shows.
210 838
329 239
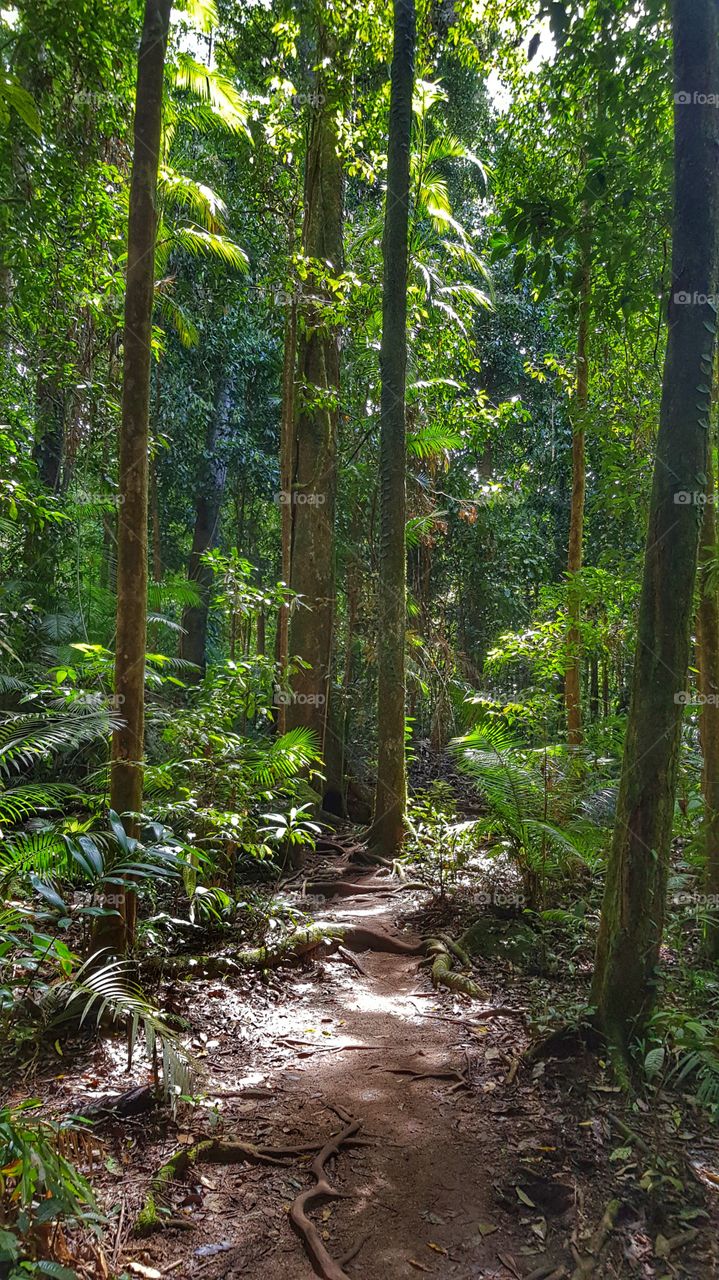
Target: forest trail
421 1196
467 1171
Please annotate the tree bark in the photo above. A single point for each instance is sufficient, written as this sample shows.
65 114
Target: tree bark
314 462
572 689
286 455
391 792
117 932
208 506
632 919
708 682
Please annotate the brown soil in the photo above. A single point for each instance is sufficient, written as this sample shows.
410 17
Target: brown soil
474 1166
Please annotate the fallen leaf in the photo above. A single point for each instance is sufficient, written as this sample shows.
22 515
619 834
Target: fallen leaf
149 1273
522 1195
486 1228
437 1248
419 1266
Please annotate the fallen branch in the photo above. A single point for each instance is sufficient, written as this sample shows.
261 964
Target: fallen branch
322 1261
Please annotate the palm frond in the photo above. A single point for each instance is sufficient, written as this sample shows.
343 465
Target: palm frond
207 84
176 317
17 804
109 991
432 440
284 757
211 244
25 739
184 192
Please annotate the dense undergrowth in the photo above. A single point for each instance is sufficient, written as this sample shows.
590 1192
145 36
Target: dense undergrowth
509 838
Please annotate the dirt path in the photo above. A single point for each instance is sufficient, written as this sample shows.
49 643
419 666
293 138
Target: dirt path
420 1198
494 1180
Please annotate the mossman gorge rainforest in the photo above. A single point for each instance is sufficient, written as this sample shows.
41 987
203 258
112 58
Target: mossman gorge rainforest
359 639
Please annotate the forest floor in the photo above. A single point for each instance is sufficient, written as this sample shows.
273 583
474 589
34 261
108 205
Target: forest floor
476 1164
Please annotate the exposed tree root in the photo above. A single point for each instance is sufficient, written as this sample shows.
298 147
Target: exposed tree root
586 1266
356 888
211 1151
449 1073
343 888
330 937
322 1261
443 974
352 960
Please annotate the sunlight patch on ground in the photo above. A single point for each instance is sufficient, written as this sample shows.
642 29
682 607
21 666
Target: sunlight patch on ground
370 1002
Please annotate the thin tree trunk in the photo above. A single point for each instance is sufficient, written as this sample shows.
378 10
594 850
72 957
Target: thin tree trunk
572 687
50 434
314 460
632 919
287 432
594 687
391 792
117 932
708 664
208 505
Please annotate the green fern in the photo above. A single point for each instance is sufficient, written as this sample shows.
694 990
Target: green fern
519 802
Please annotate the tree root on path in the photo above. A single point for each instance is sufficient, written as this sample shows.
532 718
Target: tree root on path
324 1264
355 888
211 1151
296 946
585 1266
440 954
449 1073
444 975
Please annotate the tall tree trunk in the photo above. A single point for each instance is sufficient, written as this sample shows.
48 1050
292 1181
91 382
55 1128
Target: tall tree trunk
117 932
594 687
708 664
635 892
156 532
50 403
314 460
208 505
287 433
572 688
391 793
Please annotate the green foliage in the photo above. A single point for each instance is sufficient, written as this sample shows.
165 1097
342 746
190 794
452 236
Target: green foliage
40 1186
530 797
439 847
681 1051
